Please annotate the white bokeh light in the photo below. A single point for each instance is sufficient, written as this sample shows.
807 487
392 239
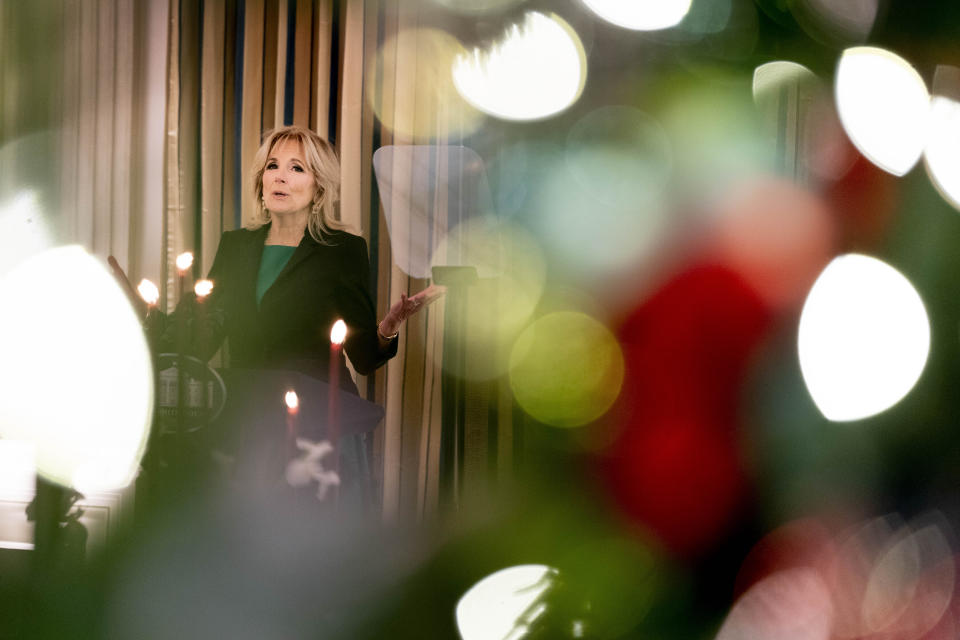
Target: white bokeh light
495 605
536 70
76 371
338 333
148 291
203 288
864 338
942 155
773 77
884 105
641 16
184 261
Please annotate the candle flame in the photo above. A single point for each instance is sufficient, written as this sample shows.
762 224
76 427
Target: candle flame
184 261
203 288
292 401
148 291
339 332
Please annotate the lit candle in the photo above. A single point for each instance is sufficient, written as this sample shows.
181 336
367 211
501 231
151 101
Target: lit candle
293 407
184 262
150 294
202 289
337 335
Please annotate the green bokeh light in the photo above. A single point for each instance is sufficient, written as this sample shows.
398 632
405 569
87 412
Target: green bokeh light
511 273
566 369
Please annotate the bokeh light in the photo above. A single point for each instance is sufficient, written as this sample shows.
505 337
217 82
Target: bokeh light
676 465
910 585
613 582
292 401
600 206
716 140
202 288
772 77
892 579
803 543
884 105
338 332
148 291
502 601
777 235
800 118
942 154
512 274
566 369
536 70
878 578
427 105
620 155
95 364
857 550
794 604
640 16
864 338
184 261
836 21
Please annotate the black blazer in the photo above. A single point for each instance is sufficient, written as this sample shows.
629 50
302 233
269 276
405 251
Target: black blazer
291 328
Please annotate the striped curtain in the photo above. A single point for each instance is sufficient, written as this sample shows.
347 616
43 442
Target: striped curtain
238 69
112 97
409 102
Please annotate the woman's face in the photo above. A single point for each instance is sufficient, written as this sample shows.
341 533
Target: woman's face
288 186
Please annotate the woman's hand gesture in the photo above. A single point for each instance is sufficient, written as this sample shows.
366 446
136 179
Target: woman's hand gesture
406 307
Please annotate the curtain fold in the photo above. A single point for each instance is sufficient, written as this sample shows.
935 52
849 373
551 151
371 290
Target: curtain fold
409 100
357 73
214 69
322 56
113 53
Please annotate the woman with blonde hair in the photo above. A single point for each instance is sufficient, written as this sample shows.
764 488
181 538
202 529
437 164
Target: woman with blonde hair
282 282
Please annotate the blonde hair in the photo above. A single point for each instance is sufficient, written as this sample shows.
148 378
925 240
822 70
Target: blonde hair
321 160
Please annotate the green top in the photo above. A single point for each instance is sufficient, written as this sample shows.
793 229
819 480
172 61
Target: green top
275 258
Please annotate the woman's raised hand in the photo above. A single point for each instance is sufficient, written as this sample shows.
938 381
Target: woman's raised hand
406 307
